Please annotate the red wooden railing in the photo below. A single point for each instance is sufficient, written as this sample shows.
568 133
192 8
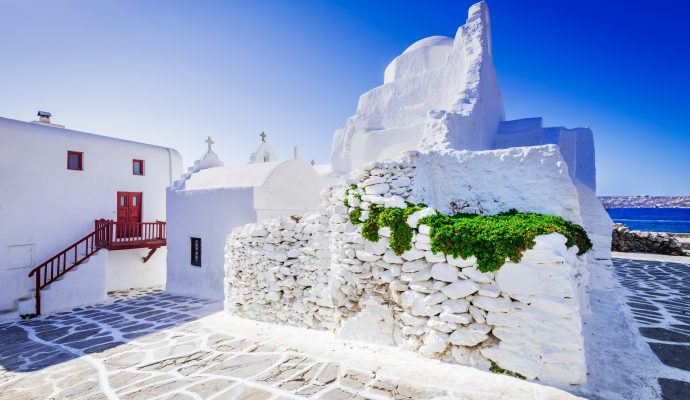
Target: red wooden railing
123 235
107 234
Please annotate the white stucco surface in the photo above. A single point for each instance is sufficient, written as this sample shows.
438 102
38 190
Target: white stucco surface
127 271
50 207
576 145
533 179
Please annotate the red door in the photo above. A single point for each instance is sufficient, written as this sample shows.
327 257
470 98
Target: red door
129 214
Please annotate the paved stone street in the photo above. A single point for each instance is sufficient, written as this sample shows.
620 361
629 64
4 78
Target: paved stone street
152 345
659 299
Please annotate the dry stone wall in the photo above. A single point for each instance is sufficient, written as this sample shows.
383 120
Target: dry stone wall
317 271
625 240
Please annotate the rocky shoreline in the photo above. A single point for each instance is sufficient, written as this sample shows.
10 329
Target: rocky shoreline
627 241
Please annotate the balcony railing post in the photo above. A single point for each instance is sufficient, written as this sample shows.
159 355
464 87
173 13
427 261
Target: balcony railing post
38 292
111 228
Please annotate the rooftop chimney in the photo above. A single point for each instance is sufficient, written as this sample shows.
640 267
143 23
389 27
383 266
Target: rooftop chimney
44 119
44 116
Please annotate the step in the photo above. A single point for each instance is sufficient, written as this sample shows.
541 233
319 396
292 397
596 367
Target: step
9 315
27 303
26 306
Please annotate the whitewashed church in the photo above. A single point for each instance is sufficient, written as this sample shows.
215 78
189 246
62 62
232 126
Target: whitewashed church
212 199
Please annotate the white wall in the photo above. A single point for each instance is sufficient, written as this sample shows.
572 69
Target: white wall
209 215
576 145
126 271
47 207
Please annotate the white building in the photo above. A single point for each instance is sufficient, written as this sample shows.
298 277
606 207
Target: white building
56 183
212 199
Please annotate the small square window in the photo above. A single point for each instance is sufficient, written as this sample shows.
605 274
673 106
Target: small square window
138 167
195 252
75 160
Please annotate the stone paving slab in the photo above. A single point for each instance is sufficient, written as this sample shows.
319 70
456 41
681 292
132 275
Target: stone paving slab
658 298
153 345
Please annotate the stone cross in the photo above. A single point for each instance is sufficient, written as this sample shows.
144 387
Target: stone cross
209 141
263 136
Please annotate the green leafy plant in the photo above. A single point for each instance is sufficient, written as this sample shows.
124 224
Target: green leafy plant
355 216
28 316
490 238
347 193
496 369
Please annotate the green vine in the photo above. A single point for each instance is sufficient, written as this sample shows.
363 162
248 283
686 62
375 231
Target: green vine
490 238
355 216
496 369
347 193
396 220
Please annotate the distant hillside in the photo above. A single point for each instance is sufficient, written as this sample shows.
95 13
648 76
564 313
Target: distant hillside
645 201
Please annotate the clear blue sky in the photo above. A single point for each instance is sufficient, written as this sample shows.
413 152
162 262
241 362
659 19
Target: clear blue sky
174 72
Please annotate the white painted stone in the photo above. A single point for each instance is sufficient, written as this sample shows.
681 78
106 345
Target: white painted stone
413 219
424 229
461 262
366 256
435 298
418 276
421 238
466 337
499 304
457 306
464 318
414 266
436 324
411 320
489 290
435 341
432 258
394 202
444 272
477 314
392 258
478 276
460 354
460 289
412 254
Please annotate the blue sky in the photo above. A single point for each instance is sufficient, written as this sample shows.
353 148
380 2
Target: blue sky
174 72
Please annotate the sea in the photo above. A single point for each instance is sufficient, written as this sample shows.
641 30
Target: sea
676 220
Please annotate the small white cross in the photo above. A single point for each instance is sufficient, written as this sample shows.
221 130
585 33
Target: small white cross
209 141
263 136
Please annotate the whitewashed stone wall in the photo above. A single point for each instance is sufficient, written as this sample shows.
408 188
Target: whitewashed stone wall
317 271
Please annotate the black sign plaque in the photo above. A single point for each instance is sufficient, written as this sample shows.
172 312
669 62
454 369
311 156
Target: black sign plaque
196 251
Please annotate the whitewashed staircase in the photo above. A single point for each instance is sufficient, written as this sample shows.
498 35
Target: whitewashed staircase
85 284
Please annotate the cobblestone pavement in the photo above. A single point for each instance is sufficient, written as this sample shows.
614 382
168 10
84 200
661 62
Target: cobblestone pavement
148 345
659 300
